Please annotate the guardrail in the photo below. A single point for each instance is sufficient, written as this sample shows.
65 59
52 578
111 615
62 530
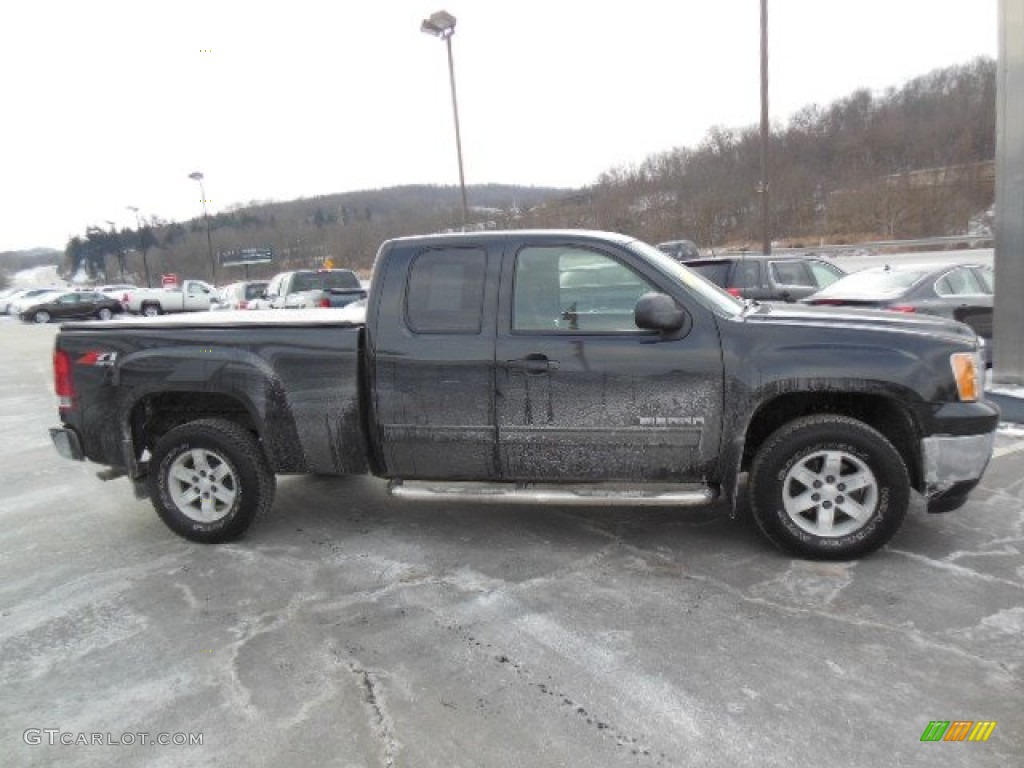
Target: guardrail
968 241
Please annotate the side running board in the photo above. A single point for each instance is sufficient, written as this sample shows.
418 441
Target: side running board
597 494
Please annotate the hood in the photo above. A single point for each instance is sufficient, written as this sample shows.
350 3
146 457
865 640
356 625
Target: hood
825 316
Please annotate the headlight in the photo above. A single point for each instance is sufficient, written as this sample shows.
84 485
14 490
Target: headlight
968 372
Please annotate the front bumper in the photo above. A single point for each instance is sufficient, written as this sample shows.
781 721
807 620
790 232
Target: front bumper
953 462
67 443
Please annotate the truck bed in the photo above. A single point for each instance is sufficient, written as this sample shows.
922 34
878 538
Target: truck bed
297 379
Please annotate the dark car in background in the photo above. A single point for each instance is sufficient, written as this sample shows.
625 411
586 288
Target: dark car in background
958 291
680 250
71 304
767 278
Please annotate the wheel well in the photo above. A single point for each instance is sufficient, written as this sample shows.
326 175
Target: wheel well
894 422
153 416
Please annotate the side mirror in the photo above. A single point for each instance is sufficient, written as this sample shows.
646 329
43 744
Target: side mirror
658 312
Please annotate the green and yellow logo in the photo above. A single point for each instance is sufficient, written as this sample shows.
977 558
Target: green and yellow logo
958 730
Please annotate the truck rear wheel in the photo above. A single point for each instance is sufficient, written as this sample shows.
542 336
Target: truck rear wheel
151 310
829 487
209 480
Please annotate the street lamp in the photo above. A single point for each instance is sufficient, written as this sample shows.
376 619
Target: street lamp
197 176
442 25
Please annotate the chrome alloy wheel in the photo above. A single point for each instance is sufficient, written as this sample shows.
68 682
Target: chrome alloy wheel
202 485
830 493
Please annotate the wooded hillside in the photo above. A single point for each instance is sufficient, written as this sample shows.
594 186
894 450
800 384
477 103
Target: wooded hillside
913 161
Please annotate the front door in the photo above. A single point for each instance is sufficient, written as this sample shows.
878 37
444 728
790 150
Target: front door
582 393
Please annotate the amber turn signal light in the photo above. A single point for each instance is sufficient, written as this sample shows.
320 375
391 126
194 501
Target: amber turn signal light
967 372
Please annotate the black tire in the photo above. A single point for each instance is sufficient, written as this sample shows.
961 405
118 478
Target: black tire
231 486
800 500
104 313
151 310
41 317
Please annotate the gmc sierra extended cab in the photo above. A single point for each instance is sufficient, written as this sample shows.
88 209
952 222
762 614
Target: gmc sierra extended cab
566 367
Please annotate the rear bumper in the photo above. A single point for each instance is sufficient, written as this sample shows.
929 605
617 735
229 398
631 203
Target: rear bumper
67 443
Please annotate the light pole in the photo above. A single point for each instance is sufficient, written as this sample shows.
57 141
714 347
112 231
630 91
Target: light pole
197 176
766 239
442 25
143 245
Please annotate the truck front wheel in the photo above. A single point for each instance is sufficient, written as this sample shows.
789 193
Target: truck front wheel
829 487
209 480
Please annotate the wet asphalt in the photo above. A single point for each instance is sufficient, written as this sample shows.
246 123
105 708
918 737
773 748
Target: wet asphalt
350 629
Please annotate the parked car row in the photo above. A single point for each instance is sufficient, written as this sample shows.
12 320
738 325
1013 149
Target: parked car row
961 292
287 290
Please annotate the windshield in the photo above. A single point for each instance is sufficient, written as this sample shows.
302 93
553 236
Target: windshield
706 292
342 280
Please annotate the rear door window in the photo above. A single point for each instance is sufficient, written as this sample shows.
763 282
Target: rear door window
747 275
823 273
791 273
958 282
717 273
445 291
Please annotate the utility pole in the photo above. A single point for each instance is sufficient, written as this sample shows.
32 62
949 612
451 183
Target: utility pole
766 240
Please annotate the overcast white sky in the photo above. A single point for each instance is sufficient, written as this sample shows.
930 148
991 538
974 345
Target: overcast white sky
111 103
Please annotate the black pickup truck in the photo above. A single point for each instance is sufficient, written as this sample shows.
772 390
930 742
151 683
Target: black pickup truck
567 367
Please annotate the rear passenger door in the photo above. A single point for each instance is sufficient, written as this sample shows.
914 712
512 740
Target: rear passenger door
791 280
432 352
748 277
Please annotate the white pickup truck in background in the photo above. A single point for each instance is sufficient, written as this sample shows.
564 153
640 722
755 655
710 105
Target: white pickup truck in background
307 288
190 296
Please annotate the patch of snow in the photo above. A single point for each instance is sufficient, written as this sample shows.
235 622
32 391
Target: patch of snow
37 277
